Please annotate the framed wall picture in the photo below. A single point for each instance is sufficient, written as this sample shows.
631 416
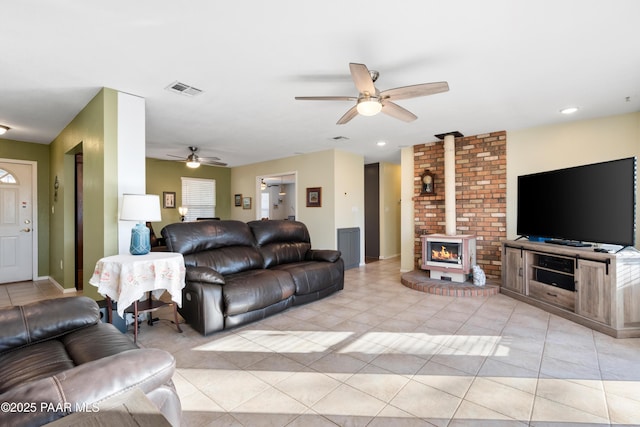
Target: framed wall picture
246 203
238 199
314 197
168 199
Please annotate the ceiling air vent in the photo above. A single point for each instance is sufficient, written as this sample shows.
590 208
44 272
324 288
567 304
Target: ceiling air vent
183 89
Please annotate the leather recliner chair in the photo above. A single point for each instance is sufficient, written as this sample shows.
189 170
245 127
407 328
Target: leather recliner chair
57 354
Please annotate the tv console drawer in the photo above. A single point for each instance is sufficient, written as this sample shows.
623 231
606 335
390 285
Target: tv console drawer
553 295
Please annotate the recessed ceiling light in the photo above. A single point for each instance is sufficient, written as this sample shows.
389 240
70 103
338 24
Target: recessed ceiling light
381 143
4 129
569 110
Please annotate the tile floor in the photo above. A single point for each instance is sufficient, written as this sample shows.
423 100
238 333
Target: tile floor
380 354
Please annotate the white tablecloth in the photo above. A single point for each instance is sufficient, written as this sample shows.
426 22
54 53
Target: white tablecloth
127 278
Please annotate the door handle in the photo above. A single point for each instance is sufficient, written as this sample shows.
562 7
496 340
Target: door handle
26 230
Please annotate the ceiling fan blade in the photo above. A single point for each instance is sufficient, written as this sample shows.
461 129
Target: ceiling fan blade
177 157
326 98
415 91
206 159
362 78
396 111
350 114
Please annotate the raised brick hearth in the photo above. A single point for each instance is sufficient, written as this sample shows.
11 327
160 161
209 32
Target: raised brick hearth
420 281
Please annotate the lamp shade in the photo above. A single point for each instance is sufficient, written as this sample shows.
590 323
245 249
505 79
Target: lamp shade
140 207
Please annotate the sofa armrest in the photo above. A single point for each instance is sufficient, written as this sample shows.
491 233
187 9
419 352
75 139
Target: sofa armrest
29 323
87 385
203 275
328 255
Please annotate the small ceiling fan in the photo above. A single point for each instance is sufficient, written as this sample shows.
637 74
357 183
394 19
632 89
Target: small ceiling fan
194 161
370 101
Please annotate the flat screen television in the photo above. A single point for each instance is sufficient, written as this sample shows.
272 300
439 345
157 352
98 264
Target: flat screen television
591 203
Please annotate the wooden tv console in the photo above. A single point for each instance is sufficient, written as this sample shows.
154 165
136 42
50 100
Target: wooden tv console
607 285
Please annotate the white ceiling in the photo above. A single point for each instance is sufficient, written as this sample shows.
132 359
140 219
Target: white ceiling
509 64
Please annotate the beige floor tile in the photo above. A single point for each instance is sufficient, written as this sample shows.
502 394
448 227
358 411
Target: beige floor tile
338 366
227 388
554 413
469 413
276 368
307 387
392 416
586 399
555 368
423 401
513 376
400 364
269 408
378 382
569 352
628 389
513 403
444 378
623 410
311 419
345 402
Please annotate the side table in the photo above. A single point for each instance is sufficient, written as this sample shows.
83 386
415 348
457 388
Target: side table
126 278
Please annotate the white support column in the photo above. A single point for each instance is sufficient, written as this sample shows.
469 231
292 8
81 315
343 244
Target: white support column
131 157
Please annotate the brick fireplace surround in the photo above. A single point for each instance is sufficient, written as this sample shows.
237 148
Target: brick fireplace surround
481 186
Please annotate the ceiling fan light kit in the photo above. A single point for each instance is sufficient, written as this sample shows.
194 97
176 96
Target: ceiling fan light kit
370 105
194 161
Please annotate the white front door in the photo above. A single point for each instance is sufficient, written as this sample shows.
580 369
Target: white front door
16 222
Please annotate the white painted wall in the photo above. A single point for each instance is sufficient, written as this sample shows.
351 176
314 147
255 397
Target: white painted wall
390 195
565 145
131 158
349 194
407 214
336 172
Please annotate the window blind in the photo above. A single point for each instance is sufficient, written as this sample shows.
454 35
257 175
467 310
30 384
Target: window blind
199 196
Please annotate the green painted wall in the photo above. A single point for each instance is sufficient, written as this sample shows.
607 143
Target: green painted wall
39 153
164 175
93 131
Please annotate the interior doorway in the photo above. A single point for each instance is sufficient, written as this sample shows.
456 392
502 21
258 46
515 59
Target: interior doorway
79 232
371 212
277 196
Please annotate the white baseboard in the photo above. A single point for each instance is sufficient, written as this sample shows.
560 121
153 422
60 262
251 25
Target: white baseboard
59 286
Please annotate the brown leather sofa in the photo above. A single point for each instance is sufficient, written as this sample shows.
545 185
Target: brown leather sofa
240 272
56 356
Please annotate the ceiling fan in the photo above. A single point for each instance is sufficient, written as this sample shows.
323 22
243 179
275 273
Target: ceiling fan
194 161
370 101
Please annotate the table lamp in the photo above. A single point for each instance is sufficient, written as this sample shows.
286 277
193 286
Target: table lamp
183 210
141 208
